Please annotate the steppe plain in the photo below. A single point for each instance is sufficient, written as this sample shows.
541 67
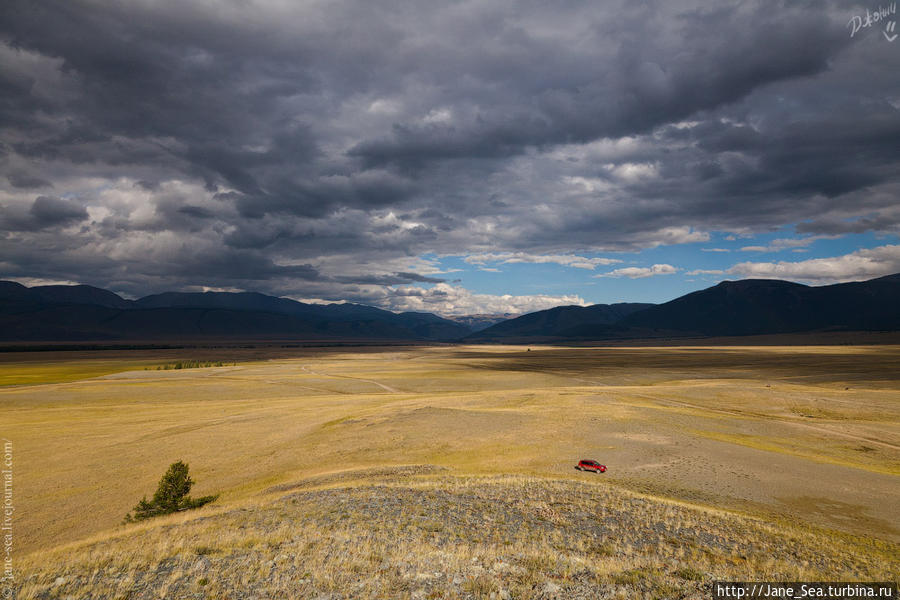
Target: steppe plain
447 471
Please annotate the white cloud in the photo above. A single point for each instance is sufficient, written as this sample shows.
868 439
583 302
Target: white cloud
631 172
385 106
859 265
206 288
566 260
448 300
715 250
798 244
641 272
588 184
442 115
706 272
318 301
33 281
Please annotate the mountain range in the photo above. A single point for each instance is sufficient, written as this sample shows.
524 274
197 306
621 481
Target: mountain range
82 312
731 308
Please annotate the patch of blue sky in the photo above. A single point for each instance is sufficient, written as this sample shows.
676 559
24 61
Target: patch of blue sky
696 266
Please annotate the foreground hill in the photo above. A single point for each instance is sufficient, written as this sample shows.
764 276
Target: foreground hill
87 313
415 532
731 308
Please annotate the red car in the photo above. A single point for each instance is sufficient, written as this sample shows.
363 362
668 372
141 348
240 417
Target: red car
590 465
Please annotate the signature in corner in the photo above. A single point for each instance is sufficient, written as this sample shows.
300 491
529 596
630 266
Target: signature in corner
889 28
882 13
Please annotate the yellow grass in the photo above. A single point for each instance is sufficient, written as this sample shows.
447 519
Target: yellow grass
416 532
33 373
804 435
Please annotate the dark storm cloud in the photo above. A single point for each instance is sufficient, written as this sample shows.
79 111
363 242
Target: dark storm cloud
225 143
45 212
638 88
48 211
393 279
834 227
27 181
197 212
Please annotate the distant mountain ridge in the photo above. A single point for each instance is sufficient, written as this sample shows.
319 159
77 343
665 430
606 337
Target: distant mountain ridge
84 312
561 321
731 308
767 306
480 321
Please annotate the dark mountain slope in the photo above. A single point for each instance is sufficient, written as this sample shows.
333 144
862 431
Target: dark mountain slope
562 321
751 306
421 325
87 313
15 293
81 294
248 301
731 308
762 306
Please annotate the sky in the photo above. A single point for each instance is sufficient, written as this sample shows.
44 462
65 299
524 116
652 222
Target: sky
456 157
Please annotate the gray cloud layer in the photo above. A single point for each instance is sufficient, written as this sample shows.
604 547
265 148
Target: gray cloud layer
320 149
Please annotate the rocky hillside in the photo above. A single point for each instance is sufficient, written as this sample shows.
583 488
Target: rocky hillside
420 533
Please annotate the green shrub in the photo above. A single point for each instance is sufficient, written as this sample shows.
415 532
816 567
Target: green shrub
689 573
171 495
193 364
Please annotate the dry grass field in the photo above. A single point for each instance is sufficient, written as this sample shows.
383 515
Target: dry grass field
448 471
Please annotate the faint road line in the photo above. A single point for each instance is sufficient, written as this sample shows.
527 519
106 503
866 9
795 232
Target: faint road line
386 388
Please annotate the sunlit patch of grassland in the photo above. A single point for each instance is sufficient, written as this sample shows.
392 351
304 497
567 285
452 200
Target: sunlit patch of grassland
36 373
416 532
857 455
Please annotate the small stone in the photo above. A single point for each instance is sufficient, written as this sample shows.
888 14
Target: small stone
550 590
504 595
202 564
59 581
